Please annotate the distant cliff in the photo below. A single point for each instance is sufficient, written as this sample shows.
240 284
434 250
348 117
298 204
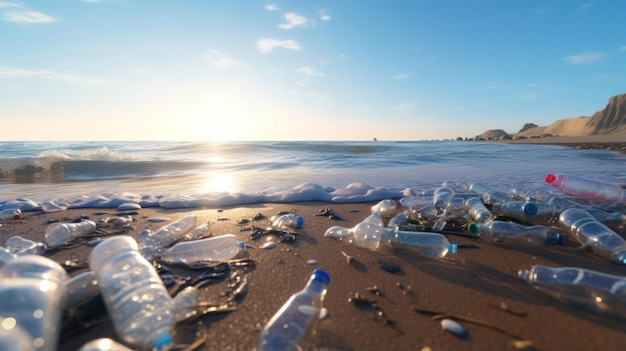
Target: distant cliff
611 120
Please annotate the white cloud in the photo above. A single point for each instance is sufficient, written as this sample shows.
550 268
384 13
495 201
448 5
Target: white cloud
530 95
623 48
309 72
323 15
9 4
29 17
13 72
268 44
586 57
293 20
219 59
272 7
402 76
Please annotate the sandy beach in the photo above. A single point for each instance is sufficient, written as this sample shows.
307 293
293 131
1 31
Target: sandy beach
616 142
479 282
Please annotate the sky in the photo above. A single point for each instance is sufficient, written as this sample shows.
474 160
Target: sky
303 70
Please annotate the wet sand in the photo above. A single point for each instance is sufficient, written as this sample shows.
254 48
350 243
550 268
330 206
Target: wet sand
474 283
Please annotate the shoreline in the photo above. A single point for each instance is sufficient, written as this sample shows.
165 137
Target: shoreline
590 142
476 282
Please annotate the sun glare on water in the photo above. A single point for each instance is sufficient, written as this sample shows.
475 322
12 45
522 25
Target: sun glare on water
220 183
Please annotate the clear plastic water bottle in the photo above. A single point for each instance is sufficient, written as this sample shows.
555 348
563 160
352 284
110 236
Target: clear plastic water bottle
81 289
401 222
337 232
104 344
613 220
593 234
150 242
597 291
59 234
589 189
217 248
138 303
10 214
442 196
33 293
415 202
477 210
291 327
200 232
5 255
287 221
490 195
386 208
14 338
502 230
540 213
21 246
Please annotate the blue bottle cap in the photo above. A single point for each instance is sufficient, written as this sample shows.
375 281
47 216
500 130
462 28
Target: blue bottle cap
321 275
530 208
241 245
300 221
162 342
560 239
453 248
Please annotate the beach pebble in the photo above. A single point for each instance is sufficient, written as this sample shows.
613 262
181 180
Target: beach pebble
128 206
453 327
311 262
269 245
157 219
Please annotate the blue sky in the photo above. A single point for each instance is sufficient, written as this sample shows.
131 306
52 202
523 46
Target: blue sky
303 70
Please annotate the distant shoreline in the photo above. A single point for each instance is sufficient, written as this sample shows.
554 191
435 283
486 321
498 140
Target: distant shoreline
609 142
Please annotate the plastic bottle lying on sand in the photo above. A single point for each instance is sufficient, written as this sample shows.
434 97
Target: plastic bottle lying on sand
442 196
59 234
200 232
104 344
490 195
477 210
81 289
150 242
14 338
217 248
138 303
10 214
589 189
287 221
597 291
20 246
291 327
33 293
386 208
532 212
502 231
401 222
592 234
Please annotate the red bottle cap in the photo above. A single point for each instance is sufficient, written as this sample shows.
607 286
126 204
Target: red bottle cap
550 178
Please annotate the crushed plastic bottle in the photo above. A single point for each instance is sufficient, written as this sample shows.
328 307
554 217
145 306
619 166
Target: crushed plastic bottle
150 242
386 208
139 305
287 221
21 246
10 214
292 325
217 248
501 230
104 344
589 189
33 293
584 288
477 210
594 235
59 234
538 213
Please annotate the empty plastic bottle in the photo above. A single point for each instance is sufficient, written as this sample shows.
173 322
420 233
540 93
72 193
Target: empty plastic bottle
21 246
200 232
386 208
415 202
402 222
150 242
138 303
5 255
10 214
442 196
217 248
477 210
490 195
291 327
287 221
531 212
81 289
33 293
14 338
592 234
104 344
589 189
597 291
502 230
59 234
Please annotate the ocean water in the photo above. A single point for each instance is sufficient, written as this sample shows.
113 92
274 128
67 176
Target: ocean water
195 174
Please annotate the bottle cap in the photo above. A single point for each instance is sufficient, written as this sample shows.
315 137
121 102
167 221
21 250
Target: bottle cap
473 228
453 248
321 275
530 208
300 221
560 239
550 178
241 245
162 342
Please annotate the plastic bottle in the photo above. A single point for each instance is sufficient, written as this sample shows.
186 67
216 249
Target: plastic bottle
150 242
14 338
104 344
402 222
477 210
502 230
386 208
291 327
600 292
20 246
200 232
442 196
217 248
415 202
5 255
138 303
589 189
59 234
593 234
287 221
490 196
33 293
532 212
81 289
10 214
